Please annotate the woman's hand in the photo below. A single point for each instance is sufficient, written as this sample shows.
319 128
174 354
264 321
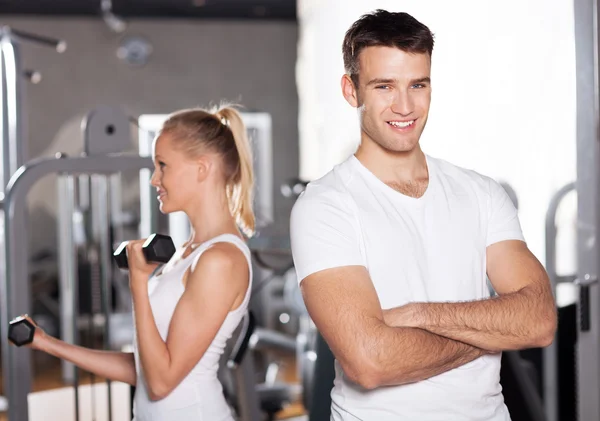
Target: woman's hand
139 269
39 335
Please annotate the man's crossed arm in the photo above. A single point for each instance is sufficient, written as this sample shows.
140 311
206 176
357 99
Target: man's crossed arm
523 315
418 341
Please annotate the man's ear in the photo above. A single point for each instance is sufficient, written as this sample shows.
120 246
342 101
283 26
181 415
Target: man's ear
350 91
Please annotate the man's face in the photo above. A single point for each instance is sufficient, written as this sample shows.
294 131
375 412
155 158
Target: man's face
392 97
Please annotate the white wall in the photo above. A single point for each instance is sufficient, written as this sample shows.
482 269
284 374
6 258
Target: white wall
503 103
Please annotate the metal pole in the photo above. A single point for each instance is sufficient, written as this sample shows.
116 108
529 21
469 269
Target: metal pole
148 207
101 234
14 100
13 152
588 341
550 354
242 365
4 148
123 300
67 268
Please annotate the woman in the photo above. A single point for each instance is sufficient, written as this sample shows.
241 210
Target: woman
184 315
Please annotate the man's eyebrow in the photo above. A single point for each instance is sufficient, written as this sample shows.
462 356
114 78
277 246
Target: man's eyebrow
420 80
378 81
384 81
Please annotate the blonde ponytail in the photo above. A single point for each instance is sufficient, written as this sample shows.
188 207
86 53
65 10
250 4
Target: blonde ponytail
240 191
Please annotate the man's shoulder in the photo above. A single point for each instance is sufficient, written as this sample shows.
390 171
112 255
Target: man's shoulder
326 202
332 187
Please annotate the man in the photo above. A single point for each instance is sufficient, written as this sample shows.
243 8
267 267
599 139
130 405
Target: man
392 248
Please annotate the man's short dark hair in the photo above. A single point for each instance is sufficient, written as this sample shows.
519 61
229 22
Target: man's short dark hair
386 29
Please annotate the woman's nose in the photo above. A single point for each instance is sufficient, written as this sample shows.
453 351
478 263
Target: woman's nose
154 181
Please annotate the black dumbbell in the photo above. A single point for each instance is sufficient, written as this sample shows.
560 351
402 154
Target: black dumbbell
158 248
21 331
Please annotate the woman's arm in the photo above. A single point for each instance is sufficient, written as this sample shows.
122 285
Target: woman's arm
116 366
212 287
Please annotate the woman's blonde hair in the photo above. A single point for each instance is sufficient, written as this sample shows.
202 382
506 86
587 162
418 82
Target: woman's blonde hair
220 130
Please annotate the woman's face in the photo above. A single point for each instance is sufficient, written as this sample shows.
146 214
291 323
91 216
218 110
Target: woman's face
176 175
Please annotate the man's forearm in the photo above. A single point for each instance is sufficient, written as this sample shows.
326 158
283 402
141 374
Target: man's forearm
408 355
523 319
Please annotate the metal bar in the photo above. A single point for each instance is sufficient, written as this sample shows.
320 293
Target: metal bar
550 353
67 268
241 362
15 291
4 316
264 339
247 395
4 148
116 205
528 390
68 277
588 342
101 232
324 376
259 126
32 76
148 202
17 137
58 44
123 299
148 207
11 144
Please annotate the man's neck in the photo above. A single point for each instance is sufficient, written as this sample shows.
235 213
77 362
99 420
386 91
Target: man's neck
395 168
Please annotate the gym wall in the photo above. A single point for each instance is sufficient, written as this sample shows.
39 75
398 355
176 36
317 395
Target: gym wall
193 62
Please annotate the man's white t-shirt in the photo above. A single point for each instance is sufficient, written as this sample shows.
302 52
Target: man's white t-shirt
427 249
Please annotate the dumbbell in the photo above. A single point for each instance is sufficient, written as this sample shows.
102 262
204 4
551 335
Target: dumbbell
21 331
158 248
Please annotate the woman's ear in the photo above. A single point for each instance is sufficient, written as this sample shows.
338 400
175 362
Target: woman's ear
204 166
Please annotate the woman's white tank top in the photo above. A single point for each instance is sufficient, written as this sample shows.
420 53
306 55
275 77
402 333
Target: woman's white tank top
199 396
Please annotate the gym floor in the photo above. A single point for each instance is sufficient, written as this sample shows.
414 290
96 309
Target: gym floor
48 376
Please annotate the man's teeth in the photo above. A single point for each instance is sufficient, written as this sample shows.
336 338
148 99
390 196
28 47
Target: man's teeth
401 123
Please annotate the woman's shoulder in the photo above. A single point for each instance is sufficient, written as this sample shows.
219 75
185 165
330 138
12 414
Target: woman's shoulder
222 253
222 259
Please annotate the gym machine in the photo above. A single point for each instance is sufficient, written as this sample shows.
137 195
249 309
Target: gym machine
587 184
12 129
15 290
15 298
558 387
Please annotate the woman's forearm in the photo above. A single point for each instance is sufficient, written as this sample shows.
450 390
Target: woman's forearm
113 365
